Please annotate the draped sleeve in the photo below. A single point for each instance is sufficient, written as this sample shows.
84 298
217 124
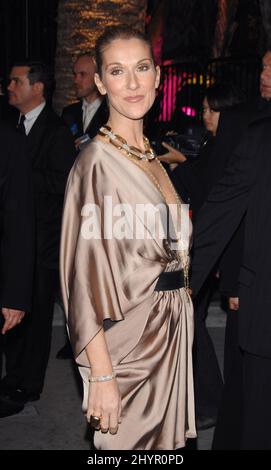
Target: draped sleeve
89 265
108 275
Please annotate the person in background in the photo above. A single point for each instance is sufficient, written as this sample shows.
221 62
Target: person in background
244 417
17 244
228 432
198 178
86 116
52 154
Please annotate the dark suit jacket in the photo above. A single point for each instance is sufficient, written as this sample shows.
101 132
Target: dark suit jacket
200 177
52 155
194 179
233 124
244 189
16 222
73 117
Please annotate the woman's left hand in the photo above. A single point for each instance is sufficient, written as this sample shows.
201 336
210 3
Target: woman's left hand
104 402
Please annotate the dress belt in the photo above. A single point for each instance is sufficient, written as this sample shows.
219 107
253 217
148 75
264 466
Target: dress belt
170 280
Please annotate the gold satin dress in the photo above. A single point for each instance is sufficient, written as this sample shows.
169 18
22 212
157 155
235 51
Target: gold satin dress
150 342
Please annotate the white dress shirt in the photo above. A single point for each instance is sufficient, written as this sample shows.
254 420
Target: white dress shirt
31 117
89 109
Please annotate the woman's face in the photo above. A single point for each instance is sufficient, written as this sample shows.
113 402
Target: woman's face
210 117
129 77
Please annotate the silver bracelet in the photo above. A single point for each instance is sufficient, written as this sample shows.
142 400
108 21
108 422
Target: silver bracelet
102 378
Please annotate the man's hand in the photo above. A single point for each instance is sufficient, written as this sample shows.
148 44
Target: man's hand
12 318
234 303
77 143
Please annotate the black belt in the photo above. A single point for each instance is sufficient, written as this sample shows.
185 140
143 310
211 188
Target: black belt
170 280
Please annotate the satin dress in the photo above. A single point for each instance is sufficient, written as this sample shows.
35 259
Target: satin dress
113 278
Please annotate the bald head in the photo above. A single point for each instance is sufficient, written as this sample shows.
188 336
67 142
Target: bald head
83 71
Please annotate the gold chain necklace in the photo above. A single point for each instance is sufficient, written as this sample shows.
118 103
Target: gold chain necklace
130 150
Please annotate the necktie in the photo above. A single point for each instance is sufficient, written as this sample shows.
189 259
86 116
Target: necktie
20 125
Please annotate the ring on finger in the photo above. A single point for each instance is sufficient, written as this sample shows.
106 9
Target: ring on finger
95 422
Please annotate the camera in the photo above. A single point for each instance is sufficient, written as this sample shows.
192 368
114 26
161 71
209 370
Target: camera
188 142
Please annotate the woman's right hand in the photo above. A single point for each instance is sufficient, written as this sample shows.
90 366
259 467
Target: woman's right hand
104 401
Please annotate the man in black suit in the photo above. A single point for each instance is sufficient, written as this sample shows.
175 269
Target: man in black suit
16 242
52 154
244 190
86 116
233 125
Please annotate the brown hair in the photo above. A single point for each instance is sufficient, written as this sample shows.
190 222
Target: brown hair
113 33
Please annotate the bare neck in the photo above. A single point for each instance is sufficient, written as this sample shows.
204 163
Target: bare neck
92 97
24 109
131 130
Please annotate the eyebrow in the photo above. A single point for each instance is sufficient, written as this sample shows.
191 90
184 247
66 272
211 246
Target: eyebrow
120 63
16 77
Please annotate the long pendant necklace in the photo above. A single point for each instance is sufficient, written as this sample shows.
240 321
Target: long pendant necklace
135 154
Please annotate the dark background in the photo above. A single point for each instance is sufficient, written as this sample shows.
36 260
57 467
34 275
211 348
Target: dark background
27 30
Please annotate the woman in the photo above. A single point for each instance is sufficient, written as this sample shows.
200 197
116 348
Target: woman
129 313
